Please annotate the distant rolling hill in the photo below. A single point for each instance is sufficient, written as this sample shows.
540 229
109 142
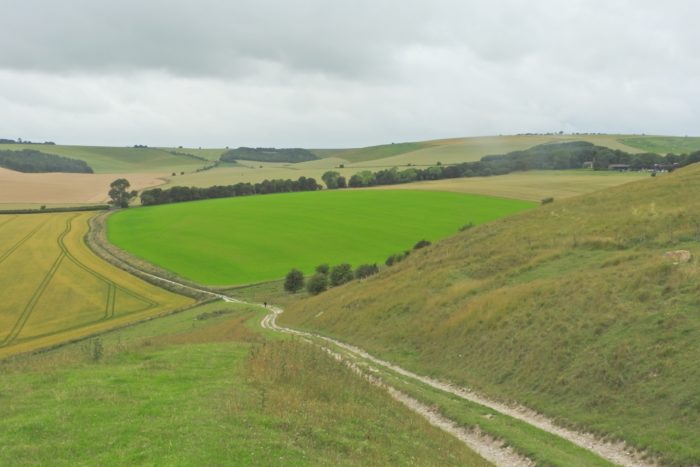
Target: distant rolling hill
571 309
104 159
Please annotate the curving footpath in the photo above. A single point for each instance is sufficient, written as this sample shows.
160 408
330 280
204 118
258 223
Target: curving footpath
489 448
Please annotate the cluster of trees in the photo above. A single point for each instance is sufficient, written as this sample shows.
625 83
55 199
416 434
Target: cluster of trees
326 277
334 180
398 257
553 156
178 194
119 193
32 161
268 155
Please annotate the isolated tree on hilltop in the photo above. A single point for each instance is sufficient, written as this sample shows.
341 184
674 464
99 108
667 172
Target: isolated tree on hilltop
119 193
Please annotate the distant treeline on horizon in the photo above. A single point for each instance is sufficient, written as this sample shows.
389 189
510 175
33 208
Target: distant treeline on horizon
21 141
550 156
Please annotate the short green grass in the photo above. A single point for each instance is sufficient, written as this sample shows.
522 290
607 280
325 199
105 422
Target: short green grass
184 390
252 239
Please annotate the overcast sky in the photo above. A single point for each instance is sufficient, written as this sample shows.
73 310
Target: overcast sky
326 73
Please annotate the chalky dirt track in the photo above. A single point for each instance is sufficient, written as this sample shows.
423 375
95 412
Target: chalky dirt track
494 450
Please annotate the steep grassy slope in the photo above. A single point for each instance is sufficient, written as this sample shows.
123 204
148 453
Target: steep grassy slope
570 308
203 387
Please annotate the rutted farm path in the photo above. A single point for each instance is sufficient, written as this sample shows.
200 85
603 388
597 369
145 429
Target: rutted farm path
494 450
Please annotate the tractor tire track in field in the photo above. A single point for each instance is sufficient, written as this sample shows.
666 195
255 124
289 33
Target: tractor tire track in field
14 247
112 287
489 448
26 313
7 221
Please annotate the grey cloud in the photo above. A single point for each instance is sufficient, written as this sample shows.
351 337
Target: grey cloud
331 73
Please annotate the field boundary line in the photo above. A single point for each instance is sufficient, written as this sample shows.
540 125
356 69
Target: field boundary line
97 242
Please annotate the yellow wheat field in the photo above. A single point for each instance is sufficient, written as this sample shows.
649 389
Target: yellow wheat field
53 288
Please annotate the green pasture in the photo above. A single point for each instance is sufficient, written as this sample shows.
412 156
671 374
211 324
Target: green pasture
258 238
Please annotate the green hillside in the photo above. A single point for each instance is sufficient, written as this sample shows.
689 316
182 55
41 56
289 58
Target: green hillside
455 150
571 309
105 159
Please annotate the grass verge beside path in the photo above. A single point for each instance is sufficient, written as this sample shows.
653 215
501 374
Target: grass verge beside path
206 387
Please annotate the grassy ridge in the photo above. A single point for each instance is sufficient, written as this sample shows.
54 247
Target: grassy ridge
206 388
59 289
250 239
570 308
120 160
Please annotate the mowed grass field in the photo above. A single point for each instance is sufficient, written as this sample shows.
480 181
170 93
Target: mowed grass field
55 289
258 238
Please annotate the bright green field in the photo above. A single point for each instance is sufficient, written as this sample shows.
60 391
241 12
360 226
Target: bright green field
252 239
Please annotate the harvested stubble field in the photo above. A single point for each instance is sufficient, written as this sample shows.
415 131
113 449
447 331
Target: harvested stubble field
55 289
22 189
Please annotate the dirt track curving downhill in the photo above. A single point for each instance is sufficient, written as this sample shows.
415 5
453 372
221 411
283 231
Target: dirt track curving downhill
488 447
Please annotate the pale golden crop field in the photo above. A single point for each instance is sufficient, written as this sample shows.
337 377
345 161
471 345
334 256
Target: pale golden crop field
53 288
24 189
533 185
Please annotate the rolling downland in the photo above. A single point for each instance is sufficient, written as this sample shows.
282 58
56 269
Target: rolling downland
571 309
